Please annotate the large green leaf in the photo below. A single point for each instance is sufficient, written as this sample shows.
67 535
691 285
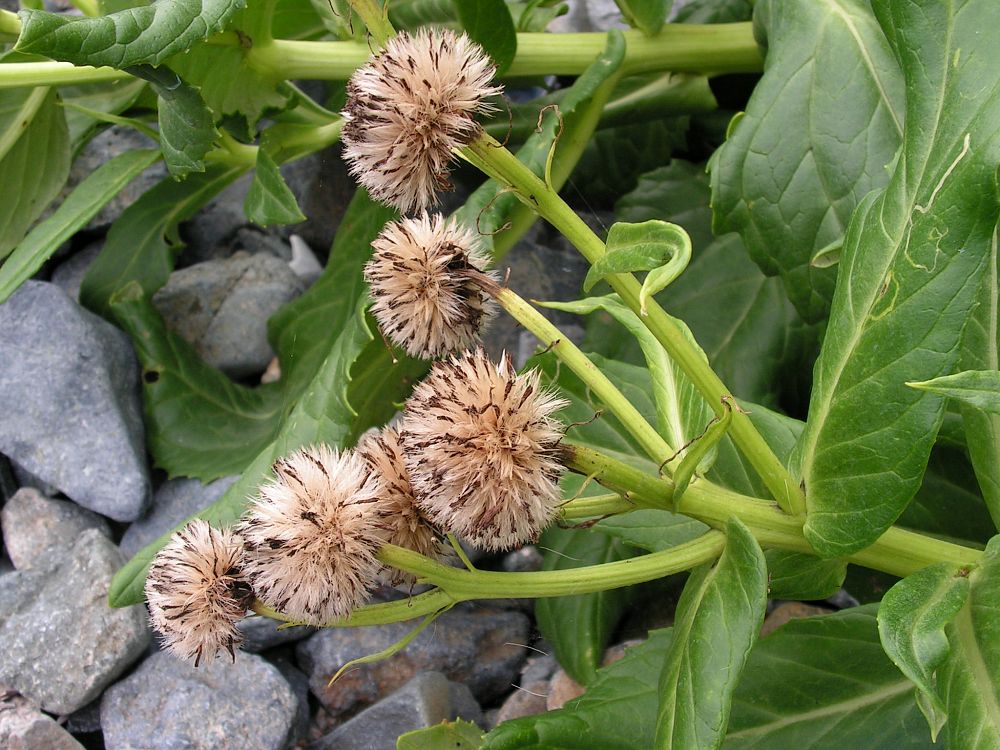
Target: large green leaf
718 619
970 677
978 388
795 576
321 414
616 712
270 200
489 23
34 158
145 35
911 623
72 215
141 244
579 627
824 683
645 15
818 132
651 529
912 266
981 350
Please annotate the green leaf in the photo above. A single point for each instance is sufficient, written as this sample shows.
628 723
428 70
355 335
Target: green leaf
187 126
970 677
72 215
141 243
981 350
145 35
489 23
34 158
646 15
818 132
449 735
492 207
108 97
732 470
322 414
912 266
696 453
616 712
799 577
978 388
659 247
824 683
229 85
579 627
911 623
681 412
714 11
718 619
270 200
949 503
652 530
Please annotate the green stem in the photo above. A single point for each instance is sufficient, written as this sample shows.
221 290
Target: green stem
598 506
10 24
499 163
15 75
605 391
897 551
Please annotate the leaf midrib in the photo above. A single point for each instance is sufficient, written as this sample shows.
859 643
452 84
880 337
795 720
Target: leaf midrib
977 666
22 119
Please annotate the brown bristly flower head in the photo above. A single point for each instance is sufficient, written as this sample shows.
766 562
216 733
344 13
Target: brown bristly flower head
196 592
312 534
403 524
431 293
482 450
409 108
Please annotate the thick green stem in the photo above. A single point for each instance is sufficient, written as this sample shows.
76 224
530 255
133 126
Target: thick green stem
569 354
500 164
10 24
15 75
898 551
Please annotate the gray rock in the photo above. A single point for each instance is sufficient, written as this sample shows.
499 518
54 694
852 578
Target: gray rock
254 240
427 699
304 262
69 274
104 146
323 188
209 233
528 699
69 393
262 633
469 644
300 686
221 307
60 643
26 479
168 704
525 560
85 720
37 531
173 502
24 727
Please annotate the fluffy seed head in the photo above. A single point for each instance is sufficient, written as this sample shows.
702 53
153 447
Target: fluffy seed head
403 524
431 293
312 534
196 592
408 108
482 450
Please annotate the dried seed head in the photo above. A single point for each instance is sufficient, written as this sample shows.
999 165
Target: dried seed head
431 293
402 522
481 447
196 592
408 108
312 534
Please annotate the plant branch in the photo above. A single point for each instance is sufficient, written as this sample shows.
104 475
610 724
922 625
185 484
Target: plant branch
897 551
499 163
15 75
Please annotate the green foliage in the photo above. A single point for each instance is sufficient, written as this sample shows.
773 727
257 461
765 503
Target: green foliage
148 34
489 23
270 200
790 191
793 575
646 15
978 388
913 262
450 735
718 618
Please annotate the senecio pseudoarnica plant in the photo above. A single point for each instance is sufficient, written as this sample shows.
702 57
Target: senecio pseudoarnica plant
861 179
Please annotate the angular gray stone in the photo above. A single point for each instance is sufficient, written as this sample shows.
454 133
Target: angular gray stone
323 188
168 704
469 644
300 686
24 727
60 643
174 501
209 233
427 699
104 146
262 633
69 395
37 531
221 307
